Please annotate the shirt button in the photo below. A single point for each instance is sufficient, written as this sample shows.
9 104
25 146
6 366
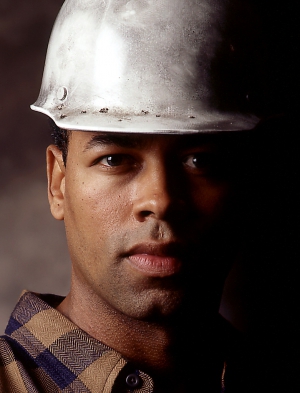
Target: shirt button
133 381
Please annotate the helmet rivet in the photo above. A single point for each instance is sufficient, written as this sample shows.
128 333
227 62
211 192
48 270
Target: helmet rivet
62 93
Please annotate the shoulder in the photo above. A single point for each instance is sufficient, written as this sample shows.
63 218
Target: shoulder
10 376
234 346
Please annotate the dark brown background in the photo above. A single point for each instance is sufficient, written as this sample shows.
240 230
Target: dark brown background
33 253
261 295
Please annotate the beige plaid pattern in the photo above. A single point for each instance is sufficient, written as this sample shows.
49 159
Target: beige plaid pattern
43 351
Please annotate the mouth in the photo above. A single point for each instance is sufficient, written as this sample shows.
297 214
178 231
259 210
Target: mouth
155 260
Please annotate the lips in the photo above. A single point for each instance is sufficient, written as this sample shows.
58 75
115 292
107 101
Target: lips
155 260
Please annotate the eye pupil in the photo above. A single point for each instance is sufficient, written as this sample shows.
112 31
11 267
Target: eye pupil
114 160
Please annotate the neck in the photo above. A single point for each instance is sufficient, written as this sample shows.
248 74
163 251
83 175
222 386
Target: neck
149 344
160 348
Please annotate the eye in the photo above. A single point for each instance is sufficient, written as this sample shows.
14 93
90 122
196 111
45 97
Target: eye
113 160
118 162
199 161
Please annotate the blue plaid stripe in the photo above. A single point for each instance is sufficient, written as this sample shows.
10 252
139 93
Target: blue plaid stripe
12 326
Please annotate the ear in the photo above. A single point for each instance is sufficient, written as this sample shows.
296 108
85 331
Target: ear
56 181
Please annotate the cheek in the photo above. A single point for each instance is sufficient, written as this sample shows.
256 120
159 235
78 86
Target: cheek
94 220
95 207
212 199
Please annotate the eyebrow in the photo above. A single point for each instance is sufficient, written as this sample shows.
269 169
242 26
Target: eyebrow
119 140
139 141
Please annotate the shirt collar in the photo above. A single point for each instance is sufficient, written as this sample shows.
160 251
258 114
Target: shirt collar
66 352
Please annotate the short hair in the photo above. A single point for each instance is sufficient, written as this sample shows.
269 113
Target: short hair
60 138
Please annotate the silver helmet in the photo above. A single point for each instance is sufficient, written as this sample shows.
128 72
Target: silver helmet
147 66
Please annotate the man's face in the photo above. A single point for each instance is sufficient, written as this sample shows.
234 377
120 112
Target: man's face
146 220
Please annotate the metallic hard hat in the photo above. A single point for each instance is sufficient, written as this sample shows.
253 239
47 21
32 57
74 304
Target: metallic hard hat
146 66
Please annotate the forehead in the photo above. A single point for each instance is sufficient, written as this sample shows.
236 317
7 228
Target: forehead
85 140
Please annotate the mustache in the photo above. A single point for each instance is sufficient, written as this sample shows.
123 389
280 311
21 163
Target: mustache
156 232
161 238
163 232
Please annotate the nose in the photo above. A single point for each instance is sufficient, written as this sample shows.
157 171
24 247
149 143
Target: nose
157 194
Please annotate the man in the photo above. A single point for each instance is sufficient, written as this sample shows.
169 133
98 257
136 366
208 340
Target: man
145 174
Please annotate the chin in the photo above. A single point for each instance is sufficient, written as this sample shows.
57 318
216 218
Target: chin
155 306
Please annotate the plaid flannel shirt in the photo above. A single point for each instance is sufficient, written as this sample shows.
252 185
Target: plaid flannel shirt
43 351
